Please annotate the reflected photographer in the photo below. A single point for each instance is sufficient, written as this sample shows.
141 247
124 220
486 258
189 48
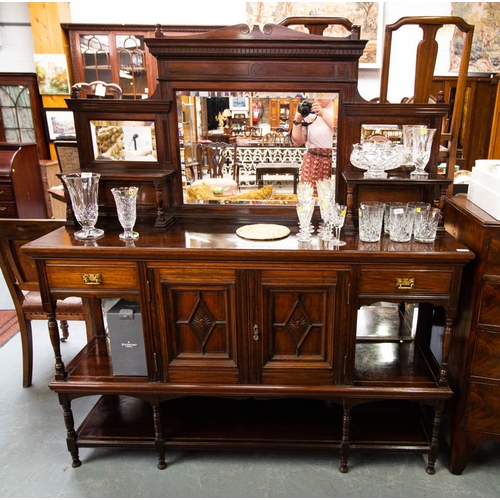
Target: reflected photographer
313 127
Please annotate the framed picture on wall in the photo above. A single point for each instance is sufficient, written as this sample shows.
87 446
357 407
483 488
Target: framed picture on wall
59 122
52 74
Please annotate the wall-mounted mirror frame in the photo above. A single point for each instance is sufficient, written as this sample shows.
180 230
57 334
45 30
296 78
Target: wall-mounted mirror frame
238 59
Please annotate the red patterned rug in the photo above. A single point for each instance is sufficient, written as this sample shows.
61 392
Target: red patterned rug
8 326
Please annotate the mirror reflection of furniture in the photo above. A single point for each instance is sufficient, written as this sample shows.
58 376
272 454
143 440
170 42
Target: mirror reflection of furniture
280 170
427 52
219 159
253 132
273 139
215 158
96 90
22 281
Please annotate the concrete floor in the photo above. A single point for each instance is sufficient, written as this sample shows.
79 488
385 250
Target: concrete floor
34 461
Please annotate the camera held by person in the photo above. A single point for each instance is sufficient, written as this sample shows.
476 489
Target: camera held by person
304 107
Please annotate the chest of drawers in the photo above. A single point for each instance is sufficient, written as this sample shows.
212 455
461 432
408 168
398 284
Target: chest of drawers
22 190
474 360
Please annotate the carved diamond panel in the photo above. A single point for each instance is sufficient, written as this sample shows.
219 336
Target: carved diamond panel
202 322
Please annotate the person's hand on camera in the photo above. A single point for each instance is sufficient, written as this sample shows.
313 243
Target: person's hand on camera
317 109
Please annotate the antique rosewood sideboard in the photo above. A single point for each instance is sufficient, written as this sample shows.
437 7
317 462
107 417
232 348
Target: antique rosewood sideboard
259 344
273 344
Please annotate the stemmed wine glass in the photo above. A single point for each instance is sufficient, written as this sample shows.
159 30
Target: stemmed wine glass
326 199
338 218
305 209
126 201
83 191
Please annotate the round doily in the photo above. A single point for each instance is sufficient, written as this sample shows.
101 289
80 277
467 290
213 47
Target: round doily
263 232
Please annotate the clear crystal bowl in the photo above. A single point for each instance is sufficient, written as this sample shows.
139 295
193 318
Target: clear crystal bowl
377 157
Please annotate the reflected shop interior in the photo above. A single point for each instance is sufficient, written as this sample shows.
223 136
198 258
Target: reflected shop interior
252 134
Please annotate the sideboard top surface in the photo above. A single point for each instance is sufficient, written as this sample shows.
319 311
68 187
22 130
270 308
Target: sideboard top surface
217 241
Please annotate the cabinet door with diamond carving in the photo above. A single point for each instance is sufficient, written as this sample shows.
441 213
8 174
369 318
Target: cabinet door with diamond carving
197 325
299 328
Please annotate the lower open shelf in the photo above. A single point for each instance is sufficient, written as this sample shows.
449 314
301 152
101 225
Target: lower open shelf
205 422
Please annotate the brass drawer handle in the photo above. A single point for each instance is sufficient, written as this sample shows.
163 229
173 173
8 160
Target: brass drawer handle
92 279
255 333
3 209
405 283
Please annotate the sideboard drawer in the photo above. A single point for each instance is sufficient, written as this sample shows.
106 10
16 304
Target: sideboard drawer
493 258
7 209
489 313
482 408
6 193
404 281
92 275
485 362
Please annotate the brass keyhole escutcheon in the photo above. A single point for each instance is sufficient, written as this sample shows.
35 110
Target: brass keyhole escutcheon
255 333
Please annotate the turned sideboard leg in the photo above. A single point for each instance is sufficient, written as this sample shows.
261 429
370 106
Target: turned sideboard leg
71 435
56 346
433 453
349 223
159 442
345 444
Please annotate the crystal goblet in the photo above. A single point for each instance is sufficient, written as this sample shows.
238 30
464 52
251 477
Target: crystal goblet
304 213
83 191
326 199
126 202
338 218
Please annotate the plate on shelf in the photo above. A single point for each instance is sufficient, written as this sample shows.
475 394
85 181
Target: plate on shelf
263 232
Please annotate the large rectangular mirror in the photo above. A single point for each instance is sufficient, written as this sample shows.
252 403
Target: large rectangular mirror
249 136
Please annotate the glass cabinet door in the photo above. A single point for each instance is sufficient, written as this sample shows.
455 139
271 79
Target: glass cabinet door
115 58
131 52
17 115
21 116
96 61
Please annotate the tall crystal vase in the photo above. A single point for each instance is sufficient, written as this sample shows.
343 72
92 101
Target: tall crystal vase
83 190
422 145
126 202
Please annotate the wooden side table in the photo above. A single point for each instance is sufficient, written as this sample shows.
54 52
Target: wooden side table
277 169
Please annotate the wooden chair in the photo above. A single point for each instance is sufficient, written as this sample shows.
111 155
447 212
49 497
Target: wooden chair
215 157
22 281
273 139
424 71
253 132
318 24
